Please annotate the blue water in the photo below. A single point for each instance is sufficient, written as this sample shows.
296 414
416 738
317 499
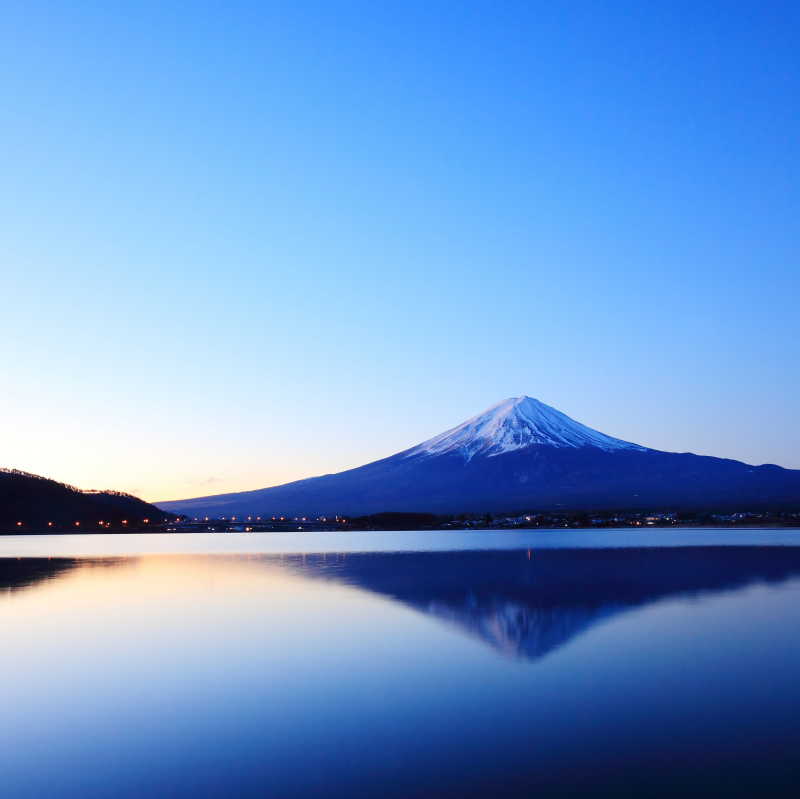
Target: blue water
401 664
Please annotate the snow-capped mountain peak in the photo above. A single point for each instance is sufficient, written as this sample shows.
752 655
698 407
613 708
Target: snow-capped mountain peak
517 423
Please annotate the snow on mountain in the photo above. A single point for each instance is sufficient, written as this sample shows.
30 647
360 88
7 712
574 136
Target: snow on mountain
517 423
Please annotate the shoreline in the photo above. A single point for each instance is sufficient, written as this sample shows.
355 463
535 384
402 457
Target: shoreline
572 528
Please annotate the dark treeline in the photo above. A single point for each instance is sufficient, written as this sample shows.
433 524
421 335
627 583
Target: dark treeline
397 521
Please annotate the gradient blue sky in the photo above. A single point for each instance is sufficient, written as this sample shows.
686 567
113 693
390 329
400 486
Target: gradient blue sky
244 243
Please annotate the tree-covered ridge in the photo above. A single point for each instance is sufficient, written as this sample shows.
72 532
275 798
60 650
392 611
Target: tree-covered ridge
32 503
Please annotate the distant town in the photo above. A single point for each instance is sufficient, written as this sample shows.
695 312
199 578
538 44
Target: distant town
408 521
488 521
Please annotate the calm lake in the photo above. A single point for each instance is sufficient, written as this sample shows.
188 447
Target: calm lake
403 664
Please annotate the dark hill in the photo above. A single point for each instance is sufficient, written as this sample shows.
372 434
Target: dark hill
35 501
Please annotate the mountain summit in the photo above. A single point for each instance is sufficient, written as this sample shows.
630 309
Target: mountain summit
518 455
517 423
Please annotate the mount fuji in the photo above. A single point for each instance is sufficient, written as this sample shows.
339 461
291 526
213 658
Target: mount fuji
518 455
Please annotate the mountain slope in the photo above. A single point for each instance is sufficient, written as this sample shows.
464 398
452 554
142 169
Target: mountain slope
35 501
518 455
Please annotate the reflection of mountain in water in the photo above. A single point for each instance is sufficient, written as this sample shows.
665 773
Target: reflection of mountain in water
528 603
16 573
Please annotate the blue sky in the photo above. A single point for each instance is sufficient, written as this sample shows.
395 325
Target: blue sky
251 242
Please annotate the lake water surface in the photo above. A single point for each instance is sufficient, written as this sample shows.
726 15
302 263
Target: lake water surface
401 664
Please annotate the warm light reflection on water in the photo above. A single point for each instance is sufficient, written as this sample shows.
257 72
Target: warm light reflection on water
451 672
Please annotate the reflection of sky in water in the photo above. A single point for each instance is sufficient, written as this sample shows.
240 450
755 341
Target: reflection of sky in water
384 674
